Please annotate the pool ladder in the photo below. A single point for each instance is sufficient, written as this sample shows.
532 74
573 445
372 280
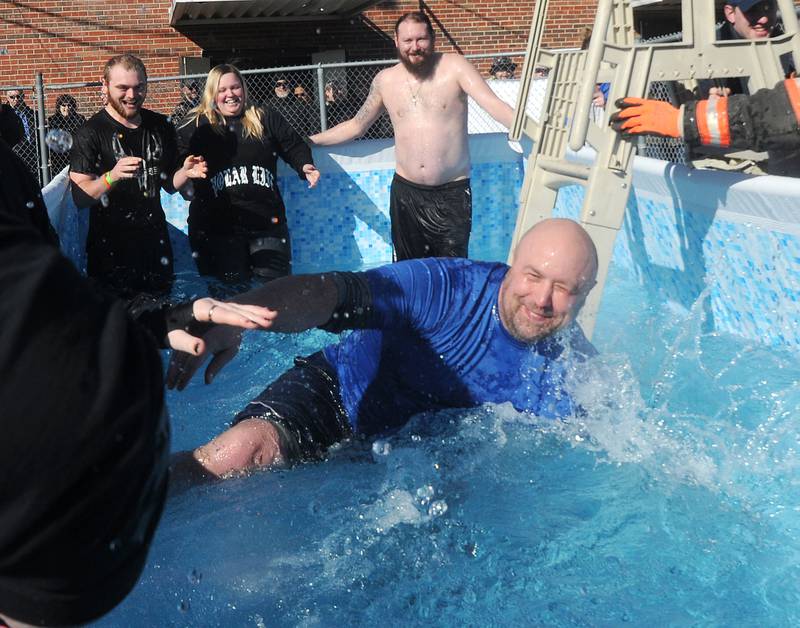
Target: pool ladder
613 57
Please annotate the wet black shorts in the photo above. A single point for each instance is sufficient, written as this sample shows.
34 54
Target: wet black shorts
430 220
305 405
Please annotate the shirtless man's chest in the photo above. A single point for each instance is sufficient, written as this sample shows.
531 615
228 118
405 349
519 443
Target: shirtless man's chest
430 124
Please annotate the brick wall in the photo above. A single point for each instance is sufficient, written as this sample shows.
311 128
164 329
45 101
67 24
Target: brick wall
69 40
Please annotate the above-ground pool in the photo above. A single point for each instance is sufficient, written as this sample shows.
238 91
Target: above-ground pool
674 501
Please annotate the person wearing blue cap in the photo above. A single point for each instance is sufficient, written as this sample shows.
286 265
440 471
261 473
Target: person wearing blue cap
748 19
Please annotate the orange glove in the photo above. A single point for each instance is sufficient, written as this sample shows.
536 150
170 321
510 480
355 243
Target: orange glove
638 116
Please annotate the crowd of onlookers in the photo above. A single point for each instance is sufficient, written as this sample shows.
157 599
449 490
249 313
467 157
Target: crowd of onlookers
287 94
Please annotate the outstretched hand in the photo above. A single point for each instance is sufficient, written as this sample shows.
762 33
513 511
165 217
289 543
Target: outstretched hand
195 167
218 335
312 174
640 116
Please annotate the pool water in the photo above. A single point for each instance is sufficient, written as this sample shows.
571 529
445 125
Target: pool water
674 501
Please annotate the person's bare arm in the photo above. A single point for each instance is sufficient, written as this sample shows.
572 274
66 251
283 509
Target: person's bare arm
357 125
295 303
88 188
475 87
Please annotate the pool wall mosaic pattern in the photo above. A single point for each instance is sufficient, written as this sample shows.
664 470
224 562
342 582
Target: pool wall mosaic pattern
731 238
344 221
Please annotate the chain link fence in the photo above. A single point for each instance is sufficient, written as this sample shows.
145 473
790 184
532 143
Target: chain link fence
312 98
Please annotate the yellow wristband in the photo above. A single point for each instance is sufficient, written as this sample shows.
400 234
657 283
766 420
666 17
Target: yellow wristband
108 180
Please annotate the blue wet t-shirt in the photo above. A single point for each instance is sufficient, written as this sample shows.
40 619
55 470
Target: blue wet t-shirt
435 341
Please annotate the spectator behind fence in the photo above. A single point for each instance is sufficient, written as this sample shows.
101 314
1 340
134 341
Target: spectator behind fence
281 99
190 97
26 146
65 118
502 69
426 97
306 111
120 160
237 219
84 437
335 106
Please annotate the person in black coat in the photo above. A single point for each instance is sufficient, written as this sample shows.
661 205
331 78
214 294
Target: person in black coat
65 118
84 435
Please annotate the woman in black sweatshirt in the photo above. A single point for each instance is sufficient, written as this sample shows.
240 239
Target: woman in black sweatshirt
237 219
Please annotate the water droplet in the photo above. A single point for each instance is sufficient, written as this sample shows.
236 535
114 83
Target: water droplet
381 448
164 261
319 31
29 205
163 176
195 576
437 508
59 140
425 493
104 200
195 255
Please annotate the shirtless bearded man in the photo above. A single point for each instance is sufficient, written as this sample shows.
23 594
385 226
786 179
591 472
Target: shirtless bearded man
426 98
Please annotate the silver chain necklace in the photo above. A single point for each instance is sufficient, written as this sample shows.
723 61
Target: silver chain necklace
414 95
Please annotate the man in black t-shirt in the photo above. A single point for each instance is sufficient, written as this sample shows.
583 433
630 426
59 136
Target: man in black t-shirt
120 160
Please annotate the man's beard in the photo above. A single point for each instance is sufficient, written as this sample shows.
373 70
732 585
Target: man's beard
421 69
116 105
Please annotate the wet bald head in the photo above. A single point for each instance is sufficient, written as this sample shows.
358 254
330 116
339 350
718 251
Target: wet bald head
553 269
564 239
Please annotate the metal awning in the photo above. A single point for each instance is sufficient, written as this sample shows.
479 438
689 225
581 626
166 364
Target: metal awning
195 12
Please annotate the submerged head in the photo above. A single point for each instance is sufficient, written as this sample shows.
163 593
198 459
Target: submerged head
415 41
751 19
553 270
125 85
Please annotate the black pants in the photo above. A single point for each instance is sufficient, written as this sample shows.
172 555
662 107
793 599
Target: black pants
240 257
130 261
430 220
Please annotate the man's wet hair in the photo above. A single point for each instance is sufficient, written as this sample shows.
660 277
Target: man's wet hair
127 61
415 16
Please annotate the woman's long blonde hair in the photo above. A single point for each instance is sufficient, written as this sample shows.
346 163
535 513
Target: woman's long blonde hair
251 118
